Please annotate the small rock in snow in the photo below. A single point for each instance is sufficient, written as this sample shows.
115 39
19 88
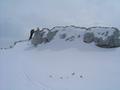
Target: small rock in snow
61 77
81 76
73 73
50 76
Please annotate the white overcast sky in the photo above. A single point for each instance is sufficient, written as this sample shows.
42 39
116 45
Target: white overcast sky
17 17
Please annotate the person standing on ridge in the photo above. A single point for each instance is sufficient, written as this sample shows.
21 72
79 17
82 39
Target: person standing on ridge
31 34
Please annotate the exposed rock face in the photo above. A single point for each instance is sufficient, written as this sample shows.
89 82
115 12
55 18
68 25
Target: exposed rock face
106 37
88 37
110 42
37 38
42 36
51 35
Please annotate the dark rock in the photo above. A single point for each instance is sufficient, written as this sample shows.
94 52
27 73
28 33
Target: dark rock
42 36
62 36
88 37
110 42
61 77
81 76
73 73
105 37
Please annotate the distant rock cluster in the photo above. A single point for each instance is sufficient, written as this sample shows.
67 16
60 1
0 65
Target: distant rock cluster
72 75
105 37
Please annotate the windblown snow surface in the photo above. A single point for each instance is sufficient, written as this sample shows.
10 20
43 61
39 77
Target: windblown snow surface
59 65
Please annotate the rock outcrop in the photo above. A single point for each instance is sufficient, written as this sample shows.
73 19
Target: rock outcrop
88 37
105 37
42 36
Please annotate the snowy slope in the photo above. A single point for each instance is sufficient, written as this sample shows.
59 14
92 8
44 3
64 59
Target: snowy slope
60 65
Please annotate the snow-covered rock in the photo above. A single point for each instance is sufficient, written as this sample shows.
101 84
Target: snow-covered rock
59 33
69 33
106 37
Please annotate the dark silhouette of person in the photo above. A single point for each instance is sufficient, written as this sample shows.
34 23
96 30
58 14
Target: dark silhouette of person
31 34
